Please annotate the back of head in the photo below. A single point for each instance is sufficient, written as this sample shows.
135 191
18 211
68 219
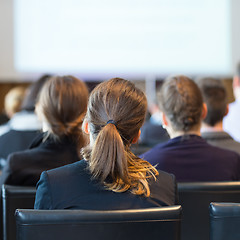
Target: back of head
63 103
33 91
215 96
116 112
13 100
181 101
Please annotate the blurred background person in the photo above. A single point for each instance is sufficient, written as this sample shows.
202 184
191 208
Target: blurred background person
215 97
24 125
231 120
61 107
12 104
152 131
187 155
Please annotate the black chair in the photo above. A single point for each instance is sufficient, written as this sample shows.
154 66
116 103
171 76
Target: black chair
195 199
152 223
224 221
14 197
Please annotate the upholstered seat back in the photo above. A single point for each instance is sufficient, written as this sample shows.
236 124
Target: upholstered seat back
224 221
195 199
152 223
14 197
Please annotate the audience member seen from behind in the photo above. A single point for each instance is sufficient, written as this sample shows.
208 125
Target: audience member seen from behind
231 120
61 106
110 176
24 126
12 104
187 154
152 131
215 96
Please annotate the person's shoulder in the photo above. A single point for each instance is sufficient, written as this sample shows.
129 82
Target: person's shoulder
165 176
155 149
222 152
79 166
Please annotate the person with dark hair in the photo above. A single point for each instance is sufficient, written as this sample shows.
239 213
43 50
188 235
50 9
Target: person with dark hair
231 120
187 155
215 97
61 106
110 176
24 125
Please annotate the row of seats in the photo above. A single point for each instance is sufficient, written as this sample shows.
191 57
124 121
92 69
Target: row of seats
194 199
153 223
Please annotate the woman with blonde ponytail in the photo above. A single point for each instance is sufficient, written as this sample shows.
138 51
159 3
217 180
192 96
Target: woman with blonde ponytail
61 106
110 176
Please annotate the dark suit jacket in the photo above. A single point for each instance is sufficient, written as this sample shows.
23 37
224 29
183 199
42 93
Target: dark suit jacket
14 141
222 140
153 134
24 168
71 187
191 158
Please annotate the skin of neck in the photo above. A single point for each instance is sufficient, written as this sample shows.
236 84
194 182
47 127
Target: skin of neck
173 133
218 127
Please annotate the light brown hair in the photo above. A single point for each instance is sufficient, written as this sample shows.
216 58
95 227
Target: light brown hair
181 100
110 159
63 102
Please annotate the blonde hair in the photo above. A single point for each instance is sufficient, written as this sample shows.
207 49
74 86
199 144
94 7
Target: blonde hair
13 100
63 102
110 159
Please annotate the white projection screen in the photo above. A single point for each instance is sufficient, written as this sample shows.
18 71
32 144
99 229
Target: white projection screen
132 37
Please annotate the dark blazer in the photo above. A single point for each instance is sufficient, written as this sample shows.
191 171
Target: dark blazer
222 140
14 141
71 187
24 168
191 158
153 134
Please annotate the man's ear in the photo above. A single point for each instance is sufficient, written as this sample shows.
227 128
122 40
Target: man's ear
227 110
204 111
236 81
164 119
135 139
85 126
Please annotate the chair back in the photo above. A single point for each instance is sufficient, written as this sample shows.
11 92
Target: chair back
224 221
152 223
14 197
195 199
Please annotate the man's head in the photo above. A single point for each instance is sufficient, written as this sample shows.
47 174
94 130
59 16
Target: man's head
215 97
236 83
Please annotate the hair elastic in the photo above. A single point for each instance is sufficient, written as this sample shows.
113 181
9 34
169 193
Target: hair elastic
111 121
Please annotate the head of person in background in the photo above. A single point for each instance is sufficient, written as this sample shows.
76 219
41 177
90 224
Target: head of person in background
61 107
32 93
115 114
181 103
231 120
215 96
236 83
13 100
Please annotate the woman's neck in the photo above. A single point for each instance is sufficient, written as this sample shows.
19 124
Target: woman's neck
174 134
